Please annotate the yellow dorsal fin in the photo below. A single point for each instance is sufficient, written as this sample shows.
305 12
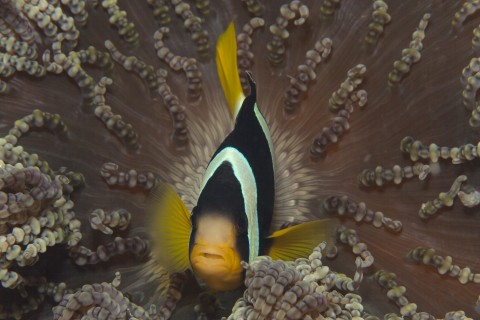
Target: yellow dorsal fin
170 228
227 69
299 241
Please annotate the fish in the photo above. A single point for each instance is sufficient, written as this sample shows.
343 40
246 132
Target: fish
231 220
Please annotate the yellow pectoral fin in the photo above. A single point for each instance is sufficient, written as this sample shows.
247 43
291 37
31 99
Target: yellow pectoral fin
298 241
170 228
226 60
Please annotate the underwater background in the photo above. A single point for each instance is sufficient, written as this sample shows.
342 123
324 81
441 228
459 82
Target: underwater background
372 107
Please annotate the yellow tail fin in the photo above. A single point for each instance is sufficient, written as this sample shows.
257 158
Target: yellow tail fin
299 241
227 69
170 228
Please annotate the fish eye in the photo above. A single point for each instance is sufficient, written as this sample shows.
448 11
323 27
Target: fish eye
194 222
242 225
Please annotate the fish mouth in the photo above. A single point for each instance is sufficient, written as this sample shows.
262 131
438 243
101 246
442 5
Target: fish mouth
210 260
213 256
218 267
202 254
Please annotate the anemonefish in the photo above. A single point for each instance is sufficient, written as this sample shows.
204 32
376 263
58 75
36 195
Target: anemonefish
231 220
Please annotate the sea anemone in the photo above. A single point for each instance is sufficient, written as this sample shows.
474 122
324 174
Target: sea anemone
373 111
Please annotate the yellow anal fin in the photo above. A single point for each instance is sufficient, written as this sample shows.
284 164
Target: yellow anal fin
299 241
170 228
226 60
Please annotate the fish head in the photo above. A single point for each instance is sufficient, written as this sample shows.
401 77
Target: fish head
214 256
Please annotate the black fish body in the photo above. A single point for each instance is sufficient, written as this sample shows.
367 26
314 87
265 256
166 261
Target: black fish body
227 186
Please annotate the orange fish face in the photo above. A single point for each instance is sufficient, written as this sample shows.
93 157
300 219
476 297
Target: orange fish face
214 257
